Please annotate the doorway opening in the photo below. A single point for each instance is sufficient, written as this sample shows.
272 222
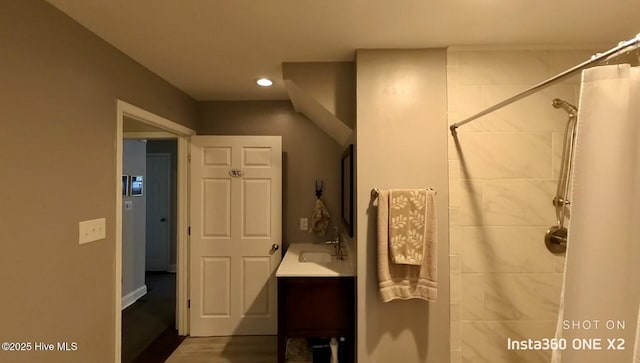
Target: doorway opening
149 245
160 261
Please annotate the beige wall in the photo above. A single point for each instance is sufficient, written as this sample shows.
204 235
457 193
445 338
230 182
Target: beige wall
57 165
401 143
331 84
308 154
503 170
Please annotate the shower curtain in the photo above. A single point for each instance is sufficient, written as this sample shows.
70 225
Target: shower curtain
600 296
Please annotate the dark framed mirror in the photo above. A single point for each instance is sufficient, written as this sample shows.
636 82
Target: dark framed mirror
347 189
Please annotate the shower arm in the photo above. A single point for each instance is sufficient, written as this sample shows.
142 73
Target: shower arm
622 47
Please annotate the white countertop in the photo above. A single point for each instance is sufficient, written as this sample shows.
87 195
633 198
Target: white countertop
292 267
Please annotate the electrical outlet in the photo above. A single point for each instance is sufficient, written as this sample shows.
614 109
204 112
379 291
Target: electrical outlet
304 224
92 230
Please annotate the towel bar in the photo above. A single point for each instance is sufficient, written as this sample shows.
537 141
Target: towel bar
376 191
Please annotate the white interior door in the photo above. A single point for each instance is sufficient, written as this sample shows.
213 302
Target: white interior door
236 219
158 229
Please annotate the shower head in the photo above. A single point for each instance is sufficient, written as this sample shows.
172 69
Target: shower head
571 109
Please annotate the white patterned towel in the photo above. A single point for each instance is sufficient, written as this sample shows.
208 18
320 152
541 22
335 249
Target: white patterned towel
407 225
401 281
320 218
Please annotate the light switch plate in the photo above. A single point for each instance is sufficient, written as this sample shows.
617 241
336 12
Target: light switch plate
304 224
92 230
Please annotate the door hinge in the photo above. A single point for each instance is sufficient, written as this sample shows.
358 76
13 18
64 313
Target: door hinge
189 304
189 230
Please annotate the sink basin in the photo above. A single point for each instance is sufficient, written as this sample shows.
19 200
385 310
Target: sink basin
315 256
313 260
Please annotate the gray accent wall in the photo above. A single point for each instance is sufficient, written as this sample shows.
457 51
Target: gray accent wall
59 88
134 163
308 154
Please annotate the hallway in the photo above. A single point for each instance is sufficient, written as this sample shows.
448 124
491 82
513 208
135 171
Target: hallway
150 316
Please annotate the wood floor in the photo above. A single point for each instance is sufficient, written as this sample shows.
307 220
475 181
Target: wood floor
161 348
238 349
150 316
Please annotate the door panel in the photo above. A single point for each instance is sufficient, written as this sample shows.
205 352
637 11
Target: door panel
236 217
256 157
256 198
255 275
158 222
217 156
216 272
216 204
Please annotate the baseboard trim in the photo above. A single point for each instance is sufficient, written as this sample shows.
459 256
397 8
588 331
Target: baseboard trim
133 296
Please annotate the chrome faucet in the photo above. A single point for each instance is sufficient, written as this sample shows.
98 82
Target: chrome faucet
337 246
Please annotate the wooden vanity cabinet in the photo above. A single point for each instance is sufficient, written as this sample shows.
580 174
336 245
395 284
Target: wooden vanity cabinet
316 307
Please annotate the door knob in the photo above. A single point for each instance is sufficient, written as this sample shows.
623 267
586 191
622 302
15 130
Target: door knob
274 247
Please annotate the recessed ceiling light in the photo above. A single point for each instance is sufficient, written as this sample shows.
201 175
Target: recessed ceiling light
264 82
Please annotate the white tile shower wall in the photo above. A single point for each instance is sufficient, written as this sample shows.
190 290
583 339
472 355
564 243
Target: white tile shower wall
502 176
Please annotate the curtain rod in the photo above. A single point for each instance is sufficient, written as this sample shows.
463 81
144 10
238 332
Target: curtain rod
594 59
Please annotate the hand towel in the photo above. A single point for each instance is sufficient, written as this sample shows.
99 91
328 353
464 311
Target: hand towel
407 232
320 218
407 281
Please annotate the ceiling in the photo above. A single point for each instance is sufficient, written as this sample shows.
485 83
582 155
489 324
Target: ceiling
216 49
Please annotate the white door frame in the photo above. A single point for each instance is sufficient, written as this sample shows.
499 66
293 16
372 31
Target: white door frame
182 134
